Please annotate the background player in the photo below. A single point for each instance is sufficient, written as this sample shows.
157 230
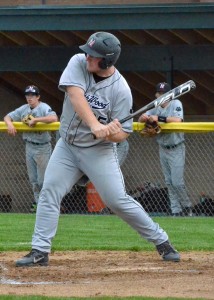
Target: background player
96 96
38 147
171 151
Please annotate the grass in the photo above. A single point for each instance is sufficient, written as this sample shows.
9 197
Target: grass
87 232
94 232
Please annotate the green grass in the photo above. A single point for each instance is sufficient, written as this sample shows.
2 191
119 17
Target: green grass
87 232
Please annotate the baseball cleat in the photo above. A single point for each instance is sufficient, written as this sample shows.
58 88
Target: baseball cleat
187 211
34 258
180 214
167 252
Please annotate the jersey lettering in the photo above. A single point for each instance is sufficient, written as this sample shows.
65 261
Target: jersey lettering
95 103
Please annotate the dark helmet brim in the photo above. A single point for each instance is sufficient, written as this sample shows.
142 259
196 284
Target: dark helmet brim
85 48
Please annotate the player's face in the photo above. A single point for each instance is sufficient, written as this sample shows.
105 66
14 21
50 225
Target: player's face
32 99
158 94
93 63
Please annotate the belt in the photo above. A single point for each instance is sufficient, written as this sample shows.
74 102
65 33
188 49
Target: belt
36 143
170 146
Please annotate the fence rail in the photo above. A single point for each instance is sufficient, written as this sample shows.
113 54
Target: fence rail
142 172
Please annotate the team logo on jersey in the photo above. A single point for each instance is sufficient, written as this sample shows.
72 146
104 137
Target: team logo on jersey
91 43
95 103
178 108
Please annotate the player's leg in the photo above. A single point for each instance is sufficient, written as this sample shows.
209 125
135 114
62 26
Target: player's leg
178 183
108 180
122 151
32 174
42 156
166 161
61 174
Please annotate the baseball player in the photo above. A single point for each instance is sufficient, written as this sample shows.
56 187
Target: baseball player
38 146
172 152
96 96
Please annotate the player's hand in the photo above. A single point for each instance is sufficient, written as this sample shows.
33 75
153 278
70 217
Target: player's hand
11 130
114 127
143 118
155 118
100 131
32 122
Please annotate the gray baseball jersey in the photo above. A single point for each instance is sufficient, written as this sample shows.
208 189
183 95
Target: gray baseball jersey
173 109
40 110
109 99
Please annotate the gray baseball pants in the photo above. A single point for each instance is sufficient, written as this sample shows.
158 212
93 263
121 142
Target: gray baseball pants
37 158
66 165
172 163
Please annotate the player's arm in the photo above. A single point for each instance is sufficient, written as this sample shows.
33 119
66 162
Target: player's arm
143 118
10 127
118 137
45 119
173 119
82 108
165 120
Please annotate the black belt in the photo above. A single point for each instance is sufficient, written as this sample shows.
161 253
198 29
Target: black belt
169 147
36 143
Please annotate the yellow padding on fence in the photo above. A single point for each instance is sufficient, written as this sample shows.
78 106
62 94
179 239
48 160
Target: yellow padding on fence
39 126
189 127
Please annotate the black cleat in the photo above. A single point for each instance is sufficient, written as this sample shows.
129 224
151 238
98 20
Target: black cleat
167 252
187 211
34 258
180 214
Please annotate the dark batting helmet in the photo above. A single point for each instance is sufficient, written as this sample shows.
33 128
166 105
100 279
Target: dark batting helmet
104 45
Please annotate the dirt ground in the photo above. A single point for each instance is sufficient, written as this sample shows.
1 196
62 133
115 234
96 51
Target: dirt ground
110 273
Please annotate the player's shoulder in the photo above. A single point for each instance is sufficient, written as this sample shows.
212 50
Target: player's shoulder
23 107
43 104
44 107
77 58
176 103
121 80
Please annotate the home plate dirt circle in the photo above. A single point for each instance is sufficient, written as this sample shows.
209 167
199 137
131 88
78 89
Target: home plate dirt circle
110 273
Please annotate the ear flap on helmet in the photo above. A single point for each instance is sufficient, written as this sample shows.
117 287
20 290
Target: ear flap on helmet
103 64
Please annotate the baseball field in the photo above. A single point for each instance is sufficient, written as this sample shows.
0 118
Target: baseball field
100 257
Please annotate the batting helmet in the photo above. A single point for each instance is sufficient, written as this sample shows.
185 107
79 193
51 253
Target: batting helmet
104 45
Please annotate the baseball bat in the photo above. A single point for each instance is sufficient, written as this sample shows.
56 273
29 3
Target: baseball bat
167 97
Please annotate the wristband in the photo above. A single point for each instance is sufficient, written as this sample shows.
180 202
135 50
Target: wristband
162 119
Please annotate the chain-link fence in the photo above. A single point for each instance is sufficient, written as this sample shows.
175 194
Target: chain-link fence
142 172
